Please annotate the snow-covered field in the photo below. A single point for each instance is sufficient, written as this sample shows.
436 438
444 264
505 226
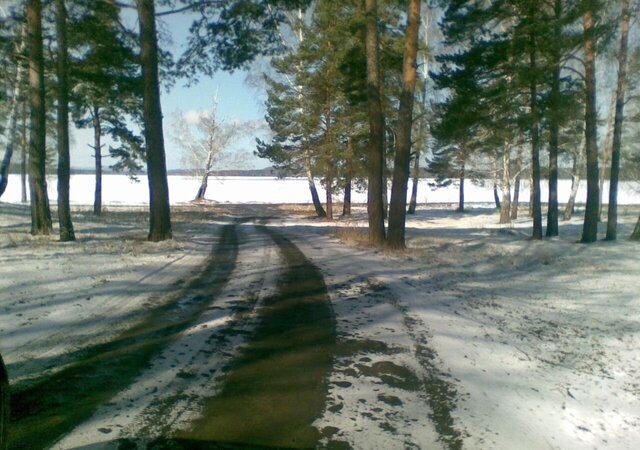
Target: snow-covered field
122 190
475 338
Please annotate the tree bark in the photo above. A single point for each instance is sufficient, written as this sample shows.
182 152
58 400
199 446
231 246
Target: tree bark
4 405
612 214
12 119
40 211
554 125
505 207
606 151
97 155
328 189
346 204
413 202
516 184
636 231
204 182
398 205
590 227
64 164
159 207
24 150
578 161
375 208
536 207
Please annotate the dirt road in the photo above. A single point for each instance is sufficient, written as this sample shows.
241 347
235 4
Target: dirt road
256 321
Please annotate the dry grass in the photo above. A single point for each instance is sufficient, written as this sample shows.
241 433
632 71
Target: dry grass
355 236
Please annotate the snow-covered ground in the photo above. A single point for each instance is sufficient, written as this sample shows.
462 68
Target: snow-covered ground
476 337
122 190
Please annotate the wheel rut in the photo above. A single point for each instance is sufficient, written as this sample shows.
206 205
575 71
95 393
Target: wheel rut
55 404
277 385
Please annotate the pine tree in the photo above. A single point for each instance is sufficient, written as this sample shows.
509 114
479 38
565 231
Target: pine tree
40 212
64 210
159 208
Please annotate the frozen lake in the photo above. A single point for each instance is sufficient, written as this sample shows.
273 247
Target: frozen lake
121 190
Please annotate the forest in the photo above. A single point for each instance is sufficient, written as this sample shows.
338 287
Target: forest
373 96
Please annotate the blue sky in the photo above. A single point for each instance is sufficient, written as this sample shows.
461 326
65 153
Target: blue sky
236 101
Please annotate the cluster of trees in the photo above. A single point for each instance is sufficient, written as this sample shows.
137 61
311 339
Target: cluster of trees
341 102
522 73
511 85
106 75
357 91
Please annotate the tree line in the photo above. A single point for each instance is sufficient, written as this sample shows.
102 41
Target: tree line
493 91
359 93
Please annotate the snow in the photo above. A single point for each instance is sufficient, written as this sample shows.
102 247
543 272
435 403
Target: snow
534 344
263 190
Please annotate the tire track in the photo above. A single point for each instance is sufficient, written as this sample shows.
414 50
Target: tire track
277 386
52 406
170 394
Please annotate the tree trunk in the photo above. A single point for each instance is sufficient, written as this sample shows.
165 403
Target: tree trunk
346 205
612 214
554 126
496 197
413 202
64 165
606 151
204 182
159 207
505 208
636 231
461 188
40 212
328 189
315 198
202 190
578 161
590 227
536 207
375 208
97 154
4 405
516 183
12 119
398 205
24 150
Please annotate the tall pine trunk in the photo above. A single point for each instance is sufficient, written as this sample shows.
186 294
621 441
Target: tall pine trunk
40 212
5 405
159 208
505 207
590 227
402 161
461 185
413 202
516 184
536 207
606 151
23 161
578 161
346 204
12 118
375 208
328 189
636 231
612 215
64 164
554 125
97 156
